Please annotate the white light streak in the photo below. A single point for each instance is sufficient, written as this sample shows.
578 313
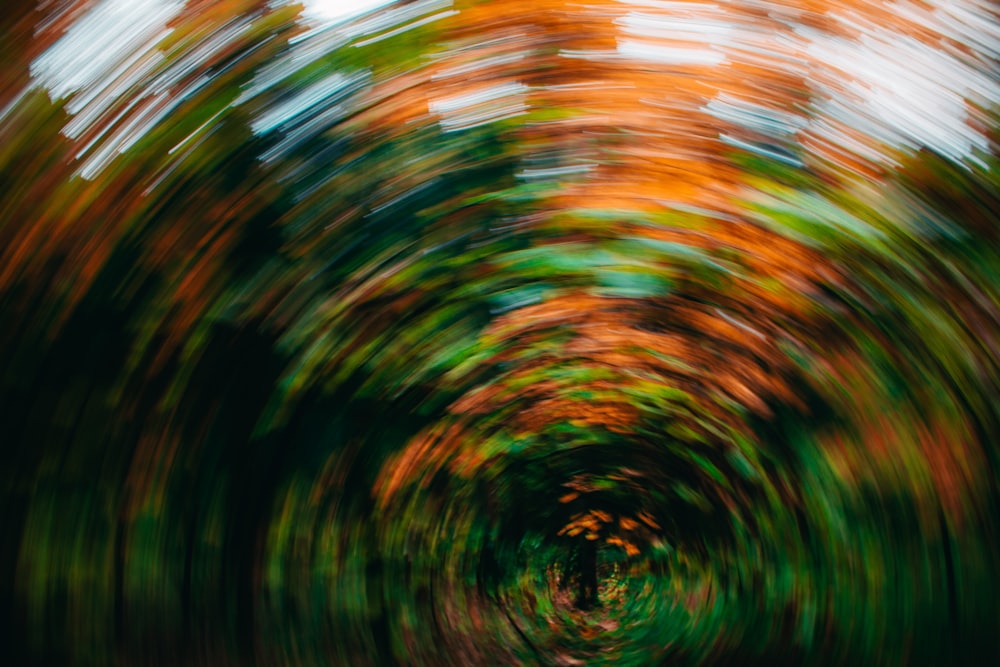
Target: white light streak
341 10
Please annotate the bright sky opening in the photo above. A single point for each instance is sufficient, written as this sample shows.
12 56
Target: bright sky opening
338 10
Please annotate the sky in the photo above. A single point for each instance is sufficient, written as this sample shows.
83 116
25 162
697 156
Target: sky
340 9
888 85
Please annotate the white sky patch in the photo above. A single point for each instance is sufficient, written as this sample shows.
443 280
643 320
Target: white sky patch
668 55
393 18
690 34
374 19
340 10
119 87
403 28
101 45
903 92
971 23
480 106
707 26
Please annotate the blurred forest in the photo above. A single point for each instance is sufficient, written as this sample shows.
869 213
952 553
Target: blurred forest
455 334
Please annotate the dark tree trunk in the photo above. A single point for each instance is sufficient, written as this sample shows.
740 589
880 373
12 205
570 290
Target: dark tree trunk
586 566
